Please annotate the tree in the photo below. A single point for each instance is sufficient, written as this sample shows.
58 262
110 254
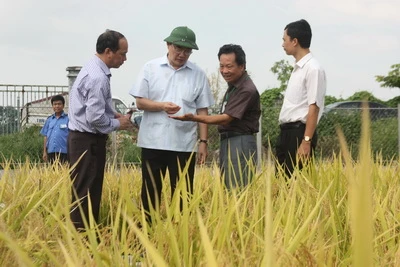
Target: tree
271 100
392 80
8 120
394 102
218 87
331 99
364 95
273 97
282 69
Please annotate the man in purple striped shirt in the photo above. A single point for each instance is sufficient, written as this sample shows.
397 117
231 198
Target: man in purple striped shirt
91 118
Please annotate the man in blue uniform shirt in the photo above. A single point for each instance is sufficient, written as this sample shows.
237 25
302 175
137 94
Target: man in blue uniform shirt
55 131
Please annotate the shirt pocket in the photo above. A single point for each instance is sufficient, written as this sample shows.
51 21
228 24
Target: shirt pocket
51 127
63 128
189 97
296 94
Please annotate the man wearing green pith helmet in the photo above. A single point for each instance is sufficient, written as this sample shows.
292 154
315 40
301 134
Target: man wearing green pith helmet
171 85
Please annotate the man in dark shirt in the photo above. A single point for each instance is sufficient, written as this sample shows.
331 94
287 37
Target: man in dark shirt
238 119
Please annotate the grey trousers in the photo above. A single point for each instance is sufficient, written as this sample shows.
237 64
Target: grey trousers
238 160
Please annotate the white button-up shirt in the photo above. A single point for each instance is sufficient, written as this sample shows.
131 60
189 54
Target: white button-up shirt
187 87
306 86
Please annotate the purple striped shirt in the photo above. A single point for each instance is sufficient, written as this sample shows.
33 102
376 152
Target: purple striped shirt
90 100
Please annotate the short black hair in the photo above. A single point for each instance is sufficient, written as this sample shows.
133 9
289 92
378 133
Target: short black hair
58 98
300 30
240 55
108 39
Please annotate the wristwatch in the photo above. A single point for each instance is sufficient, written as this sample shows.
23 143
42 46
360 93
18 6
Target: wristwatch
307 138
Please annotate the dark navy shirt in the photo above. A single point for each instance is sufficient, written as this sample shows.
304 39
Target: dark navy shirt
56 131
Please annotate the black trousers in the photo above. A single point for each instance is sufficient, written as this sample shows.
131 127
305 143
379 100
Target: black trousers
52 157
155 164
288 142
87 175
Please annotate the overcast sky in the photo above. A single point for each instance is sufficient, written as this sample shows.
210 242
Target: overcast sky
354 40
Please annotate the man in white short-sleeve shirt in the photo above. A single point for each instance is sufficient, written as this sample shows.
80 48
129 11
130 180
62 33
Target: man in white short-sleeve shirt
303 103
171 85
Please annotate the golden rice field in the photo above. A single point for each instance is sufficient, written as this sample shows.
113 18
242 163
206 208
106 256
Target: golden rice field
345 212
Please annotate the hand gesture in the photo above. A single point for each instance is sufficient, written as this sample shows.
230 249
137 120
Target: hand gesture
171 108
186 117
125 122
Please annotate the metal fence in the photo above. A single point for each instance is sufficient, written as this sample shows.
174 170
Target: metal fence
25 105
384 130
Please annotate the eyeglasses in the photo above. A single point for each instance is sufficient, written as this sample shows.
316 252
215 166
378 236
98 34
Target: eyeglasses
179 50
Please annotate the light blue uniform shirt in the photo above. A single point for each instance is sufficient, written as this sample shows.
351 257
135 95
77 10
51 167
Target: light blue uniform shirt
187 87
56 131
90 100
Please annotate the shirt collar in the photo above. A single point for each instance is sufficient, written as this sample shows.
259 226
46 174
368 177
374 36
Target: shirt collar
63 114
102 66
304 60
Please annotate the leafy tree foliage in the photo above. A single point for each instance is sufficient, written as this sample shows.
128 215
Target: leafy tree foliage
8 120
28 144
364 96
391 80
394 102
23 145
331 99
282 69
218 86
272 97
271 100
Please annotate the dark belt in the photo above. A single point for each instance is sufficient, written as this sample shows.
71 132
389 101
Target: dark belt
226 135
292 125
91 134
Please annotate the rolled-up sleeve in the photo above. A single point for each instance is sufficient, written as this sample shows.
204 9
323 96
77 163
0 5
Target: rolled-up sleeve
141 86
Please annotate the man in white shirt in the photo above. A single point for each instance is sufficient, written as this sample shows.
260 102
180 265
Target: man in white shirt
303 103
166 86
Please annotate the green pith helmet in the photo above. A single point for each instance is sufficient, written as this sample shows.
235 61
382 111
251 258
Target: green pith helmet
182 36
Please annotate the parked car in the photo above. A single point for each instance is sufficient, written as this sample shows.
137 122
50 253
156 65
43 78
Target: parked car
377 110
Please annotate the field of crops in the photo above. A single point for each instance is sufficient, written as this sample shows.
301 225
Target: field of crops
341 212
